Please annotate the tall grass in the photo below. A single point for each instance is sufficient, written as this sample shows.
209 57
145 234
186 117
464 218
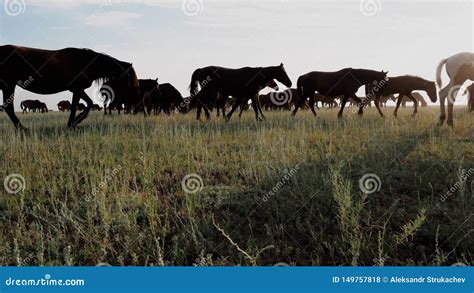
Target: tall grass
111 190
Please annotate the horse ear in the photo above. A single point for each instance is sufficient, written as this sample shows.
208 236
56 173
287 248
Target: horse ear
281 64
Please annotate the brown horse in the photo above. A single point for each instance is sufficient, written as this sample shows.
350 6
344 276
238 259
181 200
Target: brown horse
64 106
33 105
54 71
343 83
329 101
419 99
404 86
117 96
169 98
243 84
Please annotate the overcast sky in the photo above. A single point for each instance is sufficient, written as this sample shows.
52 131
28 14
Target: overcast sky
169 39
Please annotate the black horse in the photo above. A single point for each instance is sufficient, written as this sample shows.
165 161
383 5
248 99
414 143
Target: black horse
116 96
169 98
243 84
52 71
345 83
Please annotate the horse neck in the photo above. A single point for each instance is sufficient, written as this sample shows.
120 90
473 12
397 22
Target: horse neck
269 73
422 84
107 68
364 75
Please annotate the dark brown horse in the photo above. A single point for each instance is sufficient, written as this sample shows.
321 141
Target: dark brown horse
118 96
169 98
54 71
33 105
404 86
243 84
343 83
64 106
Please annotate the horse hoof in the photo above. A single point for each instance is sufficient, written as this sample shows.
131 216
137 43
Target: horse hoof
22 129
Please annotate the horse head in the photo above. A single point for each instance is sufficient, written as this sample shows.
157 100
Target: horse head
282 76
431 91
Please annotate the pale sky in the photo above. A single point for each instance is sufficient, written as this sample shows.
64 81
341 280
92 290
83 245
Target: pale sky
169 39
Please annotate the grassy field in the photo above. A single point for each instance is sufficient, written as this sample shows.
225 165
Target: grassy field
282 191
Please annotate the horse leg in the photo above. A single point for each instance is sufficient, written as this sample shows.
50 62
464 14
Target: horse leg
411 97
242 107
72 117
259 105
206 112
450 110
234 107
198 111
8 99
343 104
399 102
360 103
83 115
377 105
299 105
311 105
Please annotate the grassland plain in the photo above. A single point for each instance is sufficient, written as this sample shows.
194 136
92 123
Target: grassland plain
280 191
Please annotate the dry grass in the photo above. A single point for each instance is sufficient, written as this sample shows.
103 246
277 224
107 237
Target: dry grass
111 191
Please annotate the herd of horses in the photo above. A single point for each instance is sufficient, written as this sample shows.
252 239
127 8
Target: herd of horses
54 71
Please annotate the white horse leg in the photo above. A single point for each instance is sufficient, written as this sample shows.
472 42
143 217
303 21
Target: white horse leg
450 110
442 98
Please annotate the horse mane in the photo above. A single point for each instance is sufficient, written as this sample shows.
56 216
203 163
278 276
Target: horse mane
421 79
110 62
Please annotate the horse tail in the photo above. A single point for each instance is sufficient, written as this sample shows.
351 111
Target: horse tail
195 80
439 81
22 105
